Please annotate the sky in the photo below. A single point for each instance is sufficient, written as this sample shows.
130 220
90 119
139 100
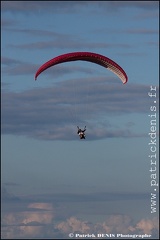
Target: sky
55 185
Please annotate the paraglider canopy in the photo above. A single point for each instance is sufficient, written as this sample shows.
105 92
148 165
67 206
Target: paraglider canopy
85 56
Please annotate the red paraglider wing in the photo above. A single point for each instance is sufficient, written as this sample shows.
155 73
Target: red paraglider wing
86 56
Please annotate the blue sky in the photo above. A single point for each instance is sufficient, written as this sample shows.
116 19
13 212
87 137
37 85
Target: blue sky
53 183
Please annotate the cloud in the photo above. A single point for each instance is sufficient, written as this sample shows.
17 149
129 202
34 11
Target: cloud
72 225
5 23
10 61
39 33
30 223
44 206
118 223
39 7
13 67
114 224
46 200
146 5
37 217
142 31
147 225
7 196
51 113
70 43
74 198
11 184
45 219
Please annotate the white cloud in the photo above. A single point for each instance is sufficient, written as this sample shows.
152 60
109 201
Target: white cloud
147 225
118 223
39 217
29 223
73 225
44 206
114 224
44 216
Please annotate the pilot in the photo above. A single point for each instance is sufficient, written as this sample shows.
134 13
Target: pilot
81 133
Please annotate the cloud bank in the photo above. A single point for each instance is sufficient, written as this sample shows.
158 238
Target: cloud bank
39 221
